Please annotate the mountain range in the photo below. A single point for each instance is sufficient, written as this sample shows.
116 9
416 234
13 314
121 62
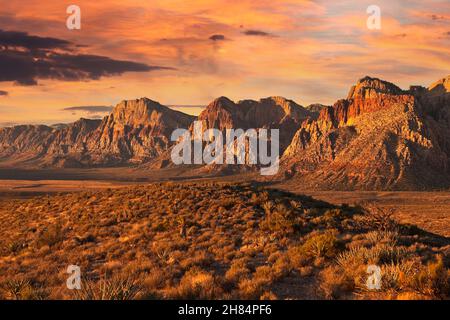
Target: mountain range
380 137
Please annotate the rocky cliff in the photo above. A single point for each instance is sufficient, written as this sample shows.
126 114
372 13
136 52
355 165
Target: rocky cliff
380 137
136 131
270 113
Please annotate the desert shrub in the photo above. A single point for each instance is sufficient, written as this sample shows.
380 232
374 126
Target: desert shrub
162 226
268 295
321 245
51 235
385 254
379 254
282 266
353 264
237 271
22 289
377 218
14 247
332 218
196 284
432 279
265 274
252 289
395 275
13 288
334 284
280 218
376 237
199 258
350 258
298 258
116 288
259 284
314 212
155 279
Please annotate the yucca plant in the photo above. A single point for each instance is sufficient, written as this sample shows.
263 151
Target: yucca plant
116 288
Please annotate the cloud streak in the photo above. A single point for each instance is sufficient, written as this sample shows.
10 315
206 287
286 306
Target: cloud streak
89 109
25 59
257 33
24 40
217 37
307 50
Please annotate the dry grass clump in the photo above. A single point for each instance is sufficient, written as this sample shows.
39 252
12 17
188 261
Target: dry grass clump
238 271
116 288
403 273
22 289
335 284
321 245
211 241
196 284
431 280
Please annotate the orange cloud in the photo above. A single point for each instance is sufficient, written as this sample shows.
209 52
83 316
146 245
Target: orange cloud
316 50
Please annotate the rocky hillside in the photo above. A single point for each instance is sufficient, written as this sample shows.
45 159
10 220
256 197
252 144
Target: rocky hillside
270 113
136 131
380 137
212 241
223 113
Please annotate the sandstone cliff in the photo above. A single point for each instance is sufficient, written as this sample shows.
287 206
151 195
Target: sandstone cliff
136 131
269 113
380 137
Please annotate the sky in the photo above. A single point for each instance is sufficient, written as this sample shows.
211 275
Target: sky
187 53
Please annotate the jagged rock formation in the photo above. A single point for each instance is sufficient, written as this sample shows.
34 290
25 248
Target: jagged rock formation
270 113
380 137
223 113
136 131
316 108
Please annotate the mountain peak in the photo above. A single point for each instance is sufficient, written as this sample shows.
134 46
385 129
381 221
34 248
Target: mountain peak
441 86
223 100
138 111
369 87
221 103
89 124
144 103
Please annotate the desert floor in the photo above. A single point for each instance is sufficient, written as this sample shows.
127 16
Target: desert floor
428 210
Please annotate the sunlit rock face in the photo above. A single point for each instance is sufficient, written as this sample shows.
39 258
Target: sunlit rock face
270 113
136 131
380 137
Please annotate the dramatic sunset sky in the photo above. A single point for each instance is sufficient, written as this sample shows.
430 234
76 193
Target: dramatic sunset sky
188 52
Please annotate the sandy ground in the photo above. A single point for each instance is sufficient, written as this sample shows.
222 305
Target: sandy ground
428 210
30 188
